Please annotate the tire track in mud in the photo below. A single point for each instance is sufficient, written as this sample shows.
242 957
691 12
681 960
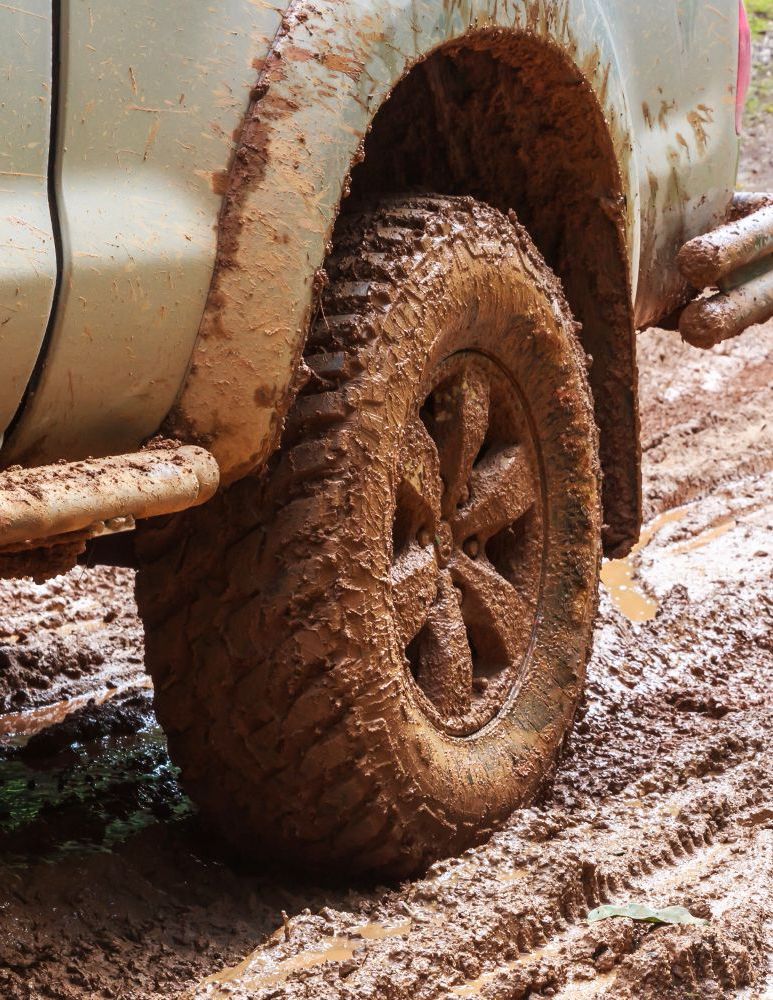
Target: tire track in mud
705 415
505 920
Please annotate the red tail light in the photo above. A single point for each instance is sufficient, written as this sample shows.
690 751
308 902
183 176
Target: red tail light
744 65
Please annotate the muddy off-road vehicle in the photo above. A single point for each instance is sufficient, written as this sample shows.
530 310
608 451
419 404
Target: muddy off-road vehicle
334 303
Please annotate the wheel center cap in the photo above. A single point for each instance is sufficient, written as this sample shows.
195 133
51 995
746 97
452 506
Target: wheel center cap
444 544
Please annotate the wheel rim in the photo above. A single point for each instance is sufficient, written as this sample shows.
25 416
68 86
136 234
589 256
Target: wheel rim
468 543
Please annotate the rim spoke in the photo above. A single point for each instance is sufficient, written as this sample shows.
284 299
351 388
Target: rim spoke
445 662
467 522
414 589
497 615
502 492
419 472
459 426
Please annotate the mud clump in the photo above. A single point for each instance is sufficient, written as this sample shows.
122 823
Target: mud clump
690 961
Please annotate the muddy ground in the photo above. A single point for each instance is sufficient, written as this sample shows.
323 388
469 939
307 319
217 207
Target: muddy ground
109 888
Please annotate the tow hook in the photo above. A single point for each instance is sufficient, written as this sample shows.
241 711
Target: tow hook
736 258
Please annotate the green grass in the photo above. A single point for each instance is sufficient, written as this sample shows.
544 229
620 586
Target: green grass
759 105
760 16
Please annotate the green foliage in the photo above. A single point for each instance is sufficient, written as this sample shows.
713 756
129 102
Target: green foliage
636 911
760 16
759 104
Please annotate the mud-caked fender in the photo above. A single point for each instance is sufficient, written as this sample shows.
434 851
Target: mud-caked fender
331 67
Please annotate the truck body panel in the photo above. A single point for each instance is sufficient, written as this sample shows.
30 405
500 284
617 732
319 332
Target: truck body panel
149 103
682 99
27 252
160 117
329 73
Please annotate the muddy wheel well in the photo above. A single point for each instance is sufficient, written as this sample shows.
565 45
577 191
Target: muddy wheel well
510 120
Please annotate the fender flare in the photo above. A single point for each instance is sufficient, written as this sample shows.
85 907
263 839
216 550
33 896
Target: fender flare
332 65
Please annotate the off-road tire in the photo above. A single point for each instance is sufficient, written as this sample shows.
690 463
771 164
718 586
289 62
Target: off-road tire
304 725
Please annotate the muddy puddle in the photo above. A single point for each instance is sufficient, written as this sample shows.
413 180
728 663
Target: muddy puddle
256 975
622 581
83 775
17 727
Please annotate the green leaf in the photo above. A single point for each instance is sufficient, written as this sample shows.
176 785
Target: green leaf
669 915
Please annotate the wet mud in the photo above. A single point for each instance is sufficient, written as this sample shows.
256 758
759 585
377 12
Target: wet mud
74 636
110 889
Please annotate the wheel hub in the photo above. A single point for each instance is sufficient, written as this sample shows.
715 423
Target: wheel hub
467 542
444 544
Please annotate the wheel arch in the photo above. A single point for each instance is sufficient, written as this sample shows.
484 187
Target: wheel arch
324 126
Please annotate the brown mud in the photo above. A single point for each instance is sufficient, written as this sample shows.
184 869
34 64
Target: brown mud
108 887
75 636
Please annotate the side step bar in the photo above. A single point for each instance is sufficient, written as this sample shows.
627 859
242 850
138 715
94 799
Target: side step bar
738 259
62 506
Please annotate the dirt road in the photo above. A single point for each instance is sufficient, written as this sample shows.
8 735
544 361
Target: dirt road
108 888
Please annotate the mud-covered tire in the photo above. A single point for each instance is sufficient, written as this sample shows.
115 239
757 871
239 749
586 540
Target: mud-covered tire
309 720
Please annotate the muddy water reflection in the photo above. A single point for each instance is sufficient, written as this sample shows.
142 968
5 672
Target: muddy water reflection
81 785
620 578
377 932
16 725
705 537
619 575
259 971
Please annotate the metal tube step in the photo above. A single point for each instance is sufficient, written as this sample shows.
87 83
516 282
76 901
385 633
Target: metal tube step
56 501
738 259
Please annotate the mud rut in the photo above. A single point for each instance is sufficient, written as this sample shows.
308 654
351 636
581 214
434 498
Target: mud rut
664 795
